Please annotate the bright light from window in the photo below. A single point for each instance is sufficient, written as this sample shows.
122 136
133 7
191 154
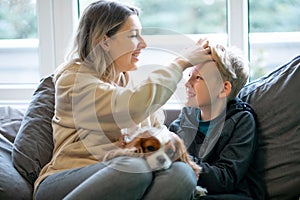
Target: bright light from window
18 42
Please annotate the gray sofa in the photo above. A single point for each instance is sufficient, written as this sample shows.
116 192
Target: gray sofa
26 135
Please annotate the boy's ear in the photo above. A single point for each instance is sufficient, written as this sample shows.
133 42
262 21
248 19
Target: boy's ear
226 89
105 43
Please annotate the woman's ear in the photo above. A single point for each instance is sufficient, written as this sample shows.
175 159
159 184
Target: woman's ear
226 89
105 43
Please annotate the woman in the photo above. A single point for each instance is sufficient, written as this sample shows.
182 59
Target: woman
93 105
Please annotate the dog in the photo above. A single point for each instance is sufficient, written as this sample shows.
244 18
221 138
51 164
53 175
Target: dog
158 146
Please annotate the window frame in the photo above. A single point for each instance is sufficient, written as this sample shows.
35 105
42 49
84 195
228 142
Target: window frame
57 21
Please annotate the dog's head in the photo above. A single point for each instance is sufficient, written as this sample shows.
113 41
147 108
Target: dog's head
160 148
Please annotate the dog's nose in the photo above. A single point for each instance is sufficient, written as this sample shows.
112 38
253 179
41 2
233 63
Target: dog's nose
161 159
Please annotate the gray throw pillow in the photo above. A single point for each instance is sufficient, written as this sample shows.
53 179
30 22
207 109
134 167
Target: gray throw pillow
34 144
276 101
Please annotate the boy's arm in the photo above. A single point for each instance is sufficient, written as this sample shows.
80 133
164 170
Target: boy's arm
234 159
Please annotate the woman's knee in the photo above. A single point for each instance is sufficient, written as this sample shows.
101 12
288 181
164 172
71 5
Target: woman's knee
182 171
122 176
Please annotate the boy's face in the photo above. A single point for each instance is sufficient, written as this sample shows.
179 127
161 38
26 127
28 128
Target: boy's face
204 85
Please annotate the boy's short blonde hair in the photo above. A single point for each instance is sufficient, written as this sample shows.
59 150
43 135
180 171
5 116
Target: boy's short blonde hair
232 67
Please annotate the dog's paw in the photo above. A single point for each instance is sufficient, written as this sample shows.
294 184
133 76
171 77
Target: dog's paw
121 152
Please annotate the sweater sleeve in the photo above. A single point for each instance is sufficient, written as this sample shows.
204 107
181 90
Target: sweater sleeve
232 163
148 96
100 106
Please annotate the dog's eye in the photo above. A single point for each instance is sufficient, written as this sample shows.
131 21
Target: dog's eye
170 151
150 148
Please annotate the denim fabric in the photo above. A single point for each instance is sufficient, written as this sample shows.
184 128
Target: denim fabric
122 178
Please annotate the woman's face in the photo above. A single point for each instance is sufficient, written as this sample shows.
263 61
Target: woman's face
126 45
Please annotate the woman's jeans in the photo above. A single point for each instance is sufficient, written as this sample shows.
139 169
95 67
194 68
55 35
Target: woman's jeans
121 178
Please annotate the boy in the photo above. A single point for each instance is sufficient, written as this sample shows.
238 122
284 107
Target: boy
218 128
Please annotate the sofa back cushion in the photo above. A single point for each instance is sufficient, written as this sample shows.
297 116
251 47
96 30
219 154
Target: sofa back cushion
34 144
12 184
276 101
10 121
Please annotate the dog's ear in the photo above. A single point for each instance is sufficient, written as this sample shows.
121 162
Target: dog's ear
182 155
144 143
135 143
180 151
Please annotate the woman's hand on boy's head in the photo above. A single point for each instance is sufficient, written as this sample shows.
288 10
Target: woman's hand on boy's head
194 55
203 42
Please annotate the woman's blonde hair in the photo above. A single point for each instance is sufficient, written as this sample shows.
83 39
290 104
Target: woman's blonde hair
232 67
99 19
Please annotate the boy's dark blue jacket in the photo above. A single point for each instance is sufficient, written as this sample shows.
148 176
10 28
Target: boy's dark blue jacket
226 153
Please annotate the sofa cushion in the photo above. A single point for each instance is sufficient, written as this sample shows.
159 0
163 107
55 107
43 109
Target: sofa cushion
10 121
34 144
275 98
12 184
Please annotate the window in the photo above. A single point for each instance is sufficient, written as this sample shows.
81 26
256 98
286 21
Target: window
33 37
273 37
184 17
18 39
274 34
35 34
